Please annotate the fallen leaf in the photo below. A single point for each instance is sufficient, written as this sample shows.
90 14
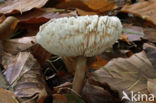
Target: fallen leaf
7 58
100 5
145 10
93 5
134 33
15 46
67 98
40 53
30 22
24 75
150 34
1 51
99 63
3 82
109 55
1 1
14 6
151 53
151 86
126 74
66 84
73 4
15 69
29 29
97 93
7 27
7 96
2 18
42 15
84 13
125 38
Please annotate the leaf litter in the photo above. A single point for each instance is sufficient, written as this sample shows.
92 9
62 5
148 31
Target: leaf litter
31 74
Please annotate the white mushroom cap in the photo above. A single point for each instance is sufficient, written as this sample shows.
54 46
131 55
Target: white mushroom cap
79 36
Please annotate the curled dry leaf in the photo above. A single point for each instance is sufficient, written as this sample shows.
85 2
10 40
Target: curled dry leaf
24 75
13 6
7 27
7 96
15 46
128 74
31 21
145 10
42 15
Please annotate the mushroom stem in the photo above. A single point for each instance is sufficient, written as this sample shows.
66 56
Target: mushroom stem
79 74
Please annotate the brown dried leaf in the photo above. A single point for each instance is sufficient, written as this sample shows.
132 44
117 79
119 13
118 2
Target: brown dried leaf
31 29
134 33
67 96
7 27
83 12
145 10
7 59
92 5
13 6
3 82
128 74
42 15
16 67
40 53
1 51
151 53
100 5
99 63
14 46
24 75
99 93
73 4
7 96
150 34
2 18
30 22
151 86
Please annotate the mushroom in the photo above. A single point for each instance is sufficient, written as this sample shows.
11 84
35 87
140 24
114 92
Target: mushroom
79 37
